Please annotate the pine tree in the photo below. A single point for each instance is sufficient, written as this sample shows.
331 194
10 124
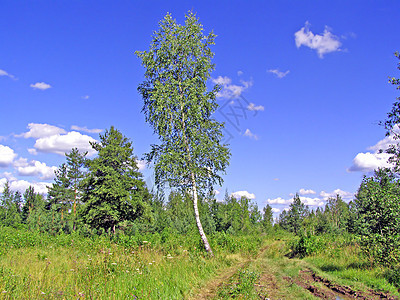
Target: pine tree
113 189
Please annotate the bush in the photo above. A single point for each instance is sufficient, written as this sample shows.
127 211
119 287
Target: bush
307 245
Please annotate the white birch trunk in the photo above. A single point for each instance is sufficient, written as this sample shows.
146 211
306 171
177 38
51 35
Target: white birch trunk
197 216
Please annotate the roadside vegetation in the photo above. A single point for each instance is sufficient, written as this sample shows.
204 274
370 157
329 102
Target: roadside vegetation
100 233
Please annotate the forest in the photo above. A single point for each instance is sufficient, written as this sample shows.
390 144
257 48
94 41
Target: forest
101 233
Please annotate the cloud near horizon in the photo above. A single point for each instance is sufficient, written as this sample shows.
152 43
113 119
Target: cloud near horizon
7 156
246 194
61 144
369 161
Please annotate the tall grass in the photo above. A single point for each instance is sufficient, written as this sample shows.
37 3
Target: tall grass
41 266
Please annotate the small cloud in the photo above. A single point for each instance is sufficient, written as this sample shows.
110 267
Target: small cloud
253 107
7 156
279 200
35 168
22 185
230 90
40 86
275 210
61 144
240 194
250 134
141 164
323 44
368 162
85 129
306 192
276 179
4 73
85 97
312 201
278 73
347 196
32 151
37 130
239 73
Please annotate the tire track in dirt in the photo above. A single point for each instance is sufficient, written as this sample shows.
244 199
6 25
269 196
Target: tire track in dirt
325 289
209 291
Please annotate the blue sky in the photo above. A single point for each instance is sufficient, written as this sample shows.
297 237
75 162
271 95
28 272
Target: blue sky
305 84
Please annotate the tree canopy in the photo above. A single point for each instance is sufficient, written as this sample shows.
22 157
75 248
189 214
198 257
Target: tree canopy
179 108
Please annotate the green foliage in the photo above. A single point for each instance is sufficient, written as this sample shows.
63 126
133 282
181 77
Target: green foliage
393 276
241 285
292 220
10 207
307 245
267 219
377 206
392 122
178 106
113 190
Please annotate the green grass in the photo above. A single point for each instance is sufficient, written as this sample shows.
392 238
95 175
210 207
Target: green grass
40 266
343 262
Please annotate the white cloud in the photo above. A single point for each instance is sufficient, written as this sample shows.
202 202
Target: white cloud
22 185
275 210
35 168
246 194
37 130
7 156
312 201
279 200
230 90
385 143
240 73
32 151
40 86
368 162
4 73
85 97
321 43
61 144
85 129
306 192
141 164
306 200
345 195
253 107
278 73
249 134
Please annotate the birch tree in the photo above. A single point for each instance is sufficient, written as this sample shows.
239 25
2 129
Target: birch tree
177 105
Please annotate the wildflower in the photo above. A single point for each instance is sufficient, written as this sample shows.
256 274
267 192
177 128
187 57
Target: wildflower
144 242
43 293
150 263
113 263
